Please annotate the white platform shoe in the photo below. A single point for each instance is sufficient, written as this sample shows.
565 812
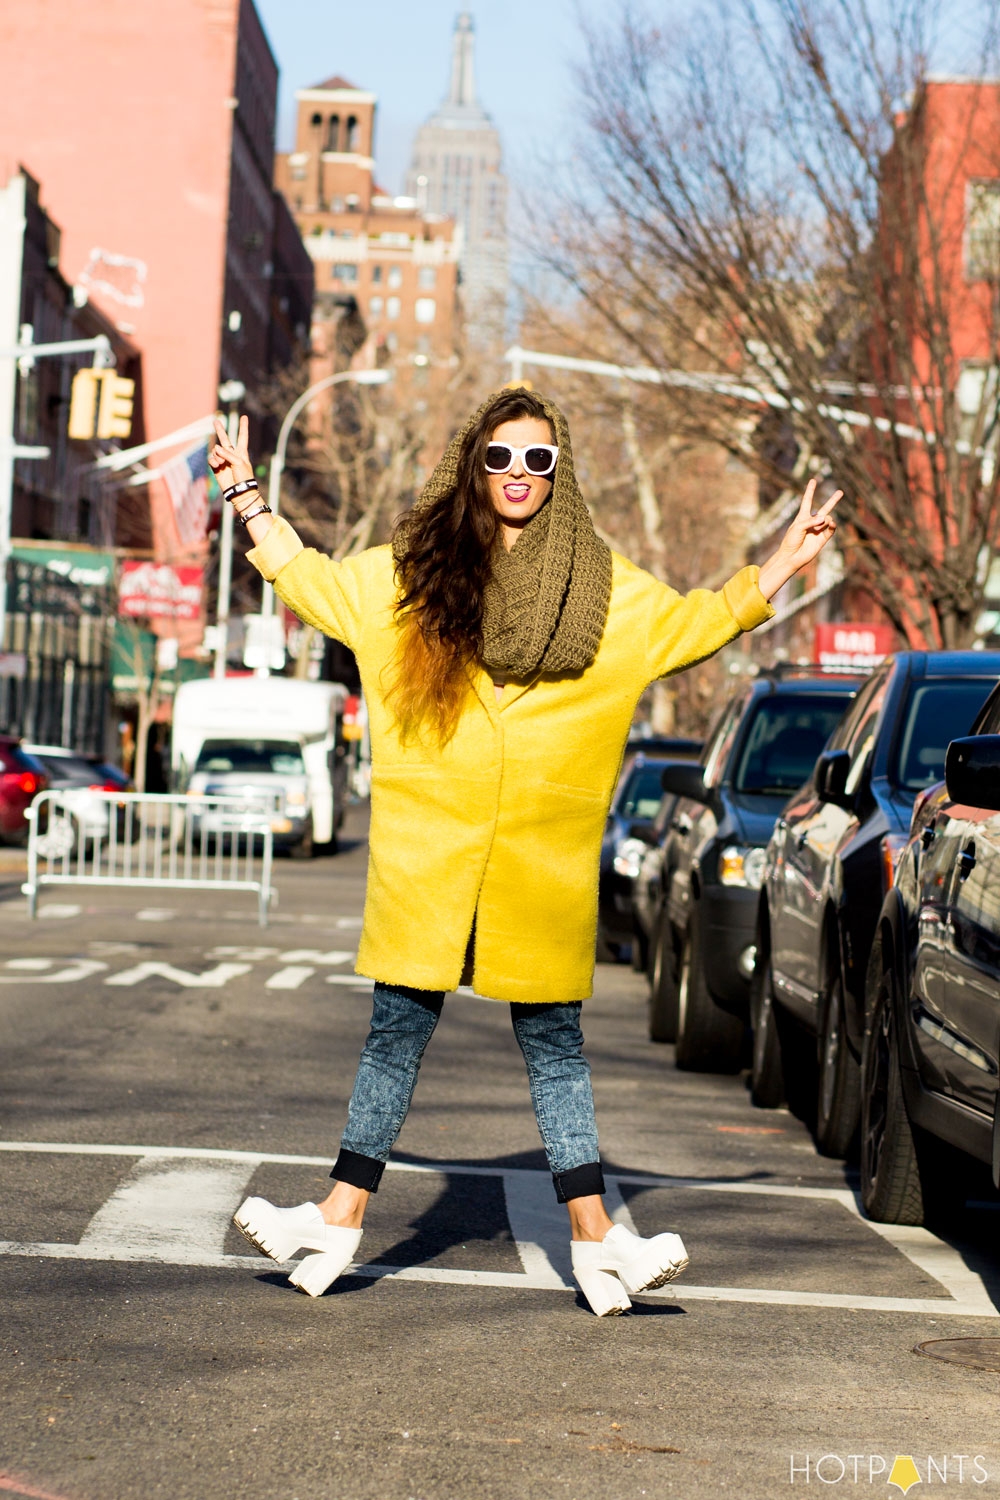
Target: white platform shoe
607 1270
279 1232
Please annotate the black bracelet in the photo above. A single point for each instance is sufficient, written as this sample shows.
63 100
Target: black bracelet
239 489
262 510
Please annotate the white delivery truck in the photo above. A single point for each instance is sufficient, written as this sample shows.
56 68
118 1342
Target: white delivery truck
275 741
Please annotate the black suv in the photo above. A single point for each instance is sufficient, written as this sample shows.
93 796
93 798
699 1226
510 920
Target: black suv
762 748
829 865
930 1059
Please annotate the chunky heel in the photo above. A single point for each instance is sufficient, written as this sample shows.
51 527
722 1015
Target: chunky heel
314 1273
659 1261
605 1293
276 1232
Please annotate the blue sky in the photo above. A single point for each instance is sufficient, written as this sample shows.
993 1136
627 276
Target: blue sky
400 49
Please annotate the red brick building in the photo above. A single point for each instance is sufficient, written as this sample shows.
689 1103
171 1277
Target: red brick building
398 264
151 129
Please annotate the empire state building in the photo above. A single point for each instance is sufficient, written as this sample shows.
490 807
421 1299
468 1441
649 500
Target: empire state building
456 170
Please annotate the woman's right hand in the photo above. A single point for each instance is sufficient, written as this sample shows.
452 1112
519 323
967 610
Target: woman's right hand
230 463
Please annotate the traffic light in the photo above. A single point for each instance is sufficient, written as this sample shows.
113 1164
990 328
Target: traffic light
100 405
83 403
114 416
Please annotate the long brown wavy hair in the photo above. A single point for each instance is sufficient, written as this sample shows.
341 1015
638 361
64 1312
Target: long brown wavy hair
443 563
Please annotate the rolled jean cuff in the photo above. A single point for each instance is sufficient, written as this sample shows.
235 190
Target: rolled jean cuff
360 1171
579 1182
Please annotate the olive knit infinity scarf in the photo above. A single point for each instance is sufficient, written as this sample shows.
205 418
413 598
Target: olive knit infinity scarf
546 605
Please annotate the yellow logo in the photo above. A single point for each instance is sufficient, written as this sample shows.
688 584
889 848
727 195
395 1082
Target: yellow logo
904 1473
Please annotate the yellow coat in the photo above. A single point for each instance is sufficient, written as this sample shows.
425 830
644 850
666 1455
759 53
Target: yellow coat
504 823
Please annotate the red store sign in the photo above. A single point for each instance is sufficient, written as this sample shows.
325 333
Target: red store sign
157 591
851 645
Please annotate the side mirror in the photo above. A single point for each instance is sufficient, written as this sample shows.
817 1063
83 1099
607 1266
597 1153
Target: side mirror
684 779
972 771
831 778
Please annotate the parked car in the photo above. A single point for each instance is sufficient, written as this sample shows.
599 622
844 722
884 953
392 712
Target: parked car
633 808
78 777
930 1058
764 745
21 779
828 867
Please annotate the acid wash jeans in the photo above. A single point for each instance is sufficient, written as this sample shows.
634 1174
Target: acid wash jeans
551 1041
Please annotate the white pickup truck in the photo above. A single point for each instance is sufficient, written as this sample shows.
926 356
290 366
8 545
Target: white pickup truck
273 741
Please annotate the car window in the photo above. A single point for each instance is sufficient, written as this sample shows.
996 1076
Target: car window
254 757
846 729
862 733
719 746
643 793
784 739
988 721
936 713
66 770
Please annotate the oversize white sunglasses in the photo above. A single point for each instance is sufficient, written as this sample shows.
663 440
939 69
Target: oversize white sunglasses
538 459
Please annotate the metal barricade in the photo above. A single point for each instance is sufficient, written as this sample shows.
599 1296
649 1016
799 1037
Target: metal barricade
141 839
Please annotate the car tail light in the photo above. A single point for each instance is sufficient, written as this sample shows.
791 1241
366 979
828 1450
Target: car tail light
104 786
892 847
21 781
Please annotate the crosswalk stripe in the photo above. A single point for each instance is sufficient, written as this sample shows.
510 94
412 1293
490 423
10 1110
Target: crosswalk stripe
174 1208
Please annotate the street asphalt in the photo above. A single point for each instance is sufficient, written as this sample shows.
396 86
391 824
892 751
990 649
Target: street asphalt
162 1053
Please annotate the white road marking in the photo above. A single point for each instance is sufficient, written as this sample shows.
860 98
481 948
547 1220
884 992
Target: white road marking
52 910
248 955
170 1213
290 978
156 914
540 1229
75 970
167 1211
212 979
317 956
353 981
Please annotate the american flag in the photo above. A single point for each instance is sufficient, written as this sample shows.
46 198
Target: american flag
187 480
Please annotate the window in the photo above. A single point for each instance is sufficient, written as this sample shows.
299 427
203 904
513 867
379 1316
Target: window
376 273
937 713
720 743
392 308
345 272
353 134
375 307
785 739
643 793
425 309
254 757
333 134
298 171
395 276
392 339
427 276
336 204
982 231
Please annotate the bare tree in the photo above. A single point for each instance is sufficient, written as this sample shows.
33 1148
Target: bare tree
793 221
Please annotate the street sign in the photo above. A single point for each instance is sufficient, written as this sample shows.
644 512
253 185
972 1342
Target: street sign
846 644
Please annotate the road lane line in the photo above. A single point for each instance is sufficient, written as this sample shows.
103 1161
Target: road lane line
162 1211
212 979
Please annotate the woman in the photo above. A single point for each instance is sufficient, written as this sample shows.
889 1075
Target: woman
503 648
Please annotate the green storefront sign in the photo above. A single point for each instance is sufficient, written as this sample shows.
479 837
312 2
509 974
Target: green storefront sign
82 566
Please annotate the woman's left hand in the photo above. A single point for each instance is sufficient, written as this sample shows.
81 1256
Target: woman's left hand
804 540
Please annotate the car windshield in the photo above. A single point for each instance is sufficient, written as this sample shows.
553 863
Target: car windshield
642 794
937 713
785 738
256 757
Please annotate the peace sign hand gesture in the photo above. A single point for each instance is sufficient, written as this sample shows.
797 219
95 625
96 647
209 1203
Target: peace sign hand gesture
805 539
230 463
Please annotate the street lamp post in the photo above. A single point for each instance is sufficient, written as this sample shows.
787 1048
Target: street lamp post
360 377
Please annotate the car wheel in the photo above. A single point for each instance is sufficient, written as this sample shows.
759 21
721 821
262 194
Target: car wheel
663 986
838 1084
891 1190
306 847
709 1039
767 1079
